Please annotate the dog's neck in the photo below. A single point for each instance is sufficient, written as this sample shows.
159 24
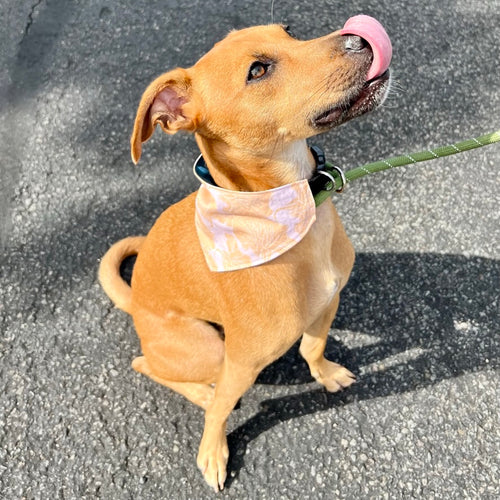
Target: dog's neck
242 170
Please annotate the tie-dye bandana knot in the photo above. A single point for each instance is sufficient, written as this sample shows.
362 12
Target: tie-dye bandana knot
245 229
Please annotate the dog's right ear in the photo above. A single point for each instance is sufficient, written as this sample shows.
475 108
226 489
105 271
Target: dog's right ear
165 102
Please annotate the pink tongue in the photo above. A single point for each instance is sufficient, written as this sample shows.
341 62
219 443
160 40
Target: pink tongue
373 32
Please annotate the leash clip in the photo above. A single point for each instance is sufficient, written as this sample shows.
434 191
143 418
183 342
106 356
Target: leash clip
342 178
332 179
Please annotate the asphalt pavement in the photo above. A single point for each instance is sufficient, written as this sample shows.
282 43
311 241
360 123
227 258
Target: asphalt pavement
418 323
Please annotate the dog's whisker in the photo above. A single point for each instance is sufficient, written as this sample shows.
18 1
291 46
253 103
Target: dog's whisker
272 11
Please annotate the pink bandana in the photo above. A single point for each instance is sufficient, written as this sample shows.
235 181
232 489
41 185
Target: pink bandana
244 229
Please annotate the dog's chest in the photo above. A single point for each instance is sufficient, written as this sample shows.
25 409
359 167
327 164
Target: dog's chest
325 278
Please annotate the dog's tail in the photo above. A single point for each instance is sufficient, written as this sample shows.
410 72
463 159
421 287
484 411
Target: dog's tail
109 271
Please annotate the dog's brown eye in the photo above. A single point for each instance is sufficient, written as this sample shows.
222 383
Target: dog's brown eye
257 70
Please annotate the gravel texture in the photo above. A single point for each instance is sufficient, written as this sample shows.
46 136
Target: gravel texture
419 321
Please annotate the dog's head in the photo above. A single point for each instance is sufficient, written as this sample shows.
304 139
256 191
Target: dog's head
261 83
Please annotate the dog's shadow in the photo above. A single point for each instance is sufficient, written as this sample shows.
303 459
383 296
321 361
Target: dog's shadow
421 318
406 321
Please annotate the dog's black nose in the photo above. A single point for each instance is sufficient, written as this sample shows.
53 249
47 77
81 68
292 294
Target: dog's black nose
354 43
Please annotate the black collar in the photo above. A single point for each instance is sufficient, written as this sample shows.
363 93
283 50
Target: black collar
317 183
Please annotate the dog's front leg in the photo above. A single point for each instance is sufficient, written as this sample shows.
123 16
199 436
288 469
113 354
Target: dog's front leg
312 347
248 351
235 379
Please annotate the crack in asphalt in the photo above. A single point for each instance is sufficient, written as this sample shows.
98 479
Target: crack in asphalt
30 19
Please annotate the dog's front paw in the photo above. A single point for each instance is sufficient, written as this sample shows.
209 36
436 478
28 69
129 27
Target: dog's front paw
334 376
212 460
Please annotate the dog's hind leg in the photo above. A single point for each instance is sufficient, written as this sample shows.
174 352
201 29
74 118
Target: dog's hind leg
199 394
182 353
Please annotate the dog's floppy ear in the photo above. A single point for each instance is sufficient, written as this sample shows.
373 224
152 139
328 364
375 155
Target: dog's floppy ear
165 102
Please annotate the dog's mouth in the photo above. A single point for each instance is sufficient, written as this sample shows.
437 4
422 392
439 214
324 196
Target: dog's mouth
372 95
363 32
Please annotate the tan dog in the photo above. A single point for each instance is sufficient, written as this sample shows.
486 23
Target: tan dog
251 102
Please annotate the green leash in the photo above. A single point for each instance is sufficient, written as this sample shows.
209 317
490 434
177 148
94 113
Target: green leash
341 179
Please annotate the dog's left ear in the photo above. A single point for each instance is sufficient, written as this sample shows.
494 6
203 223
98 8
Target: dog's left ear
167 102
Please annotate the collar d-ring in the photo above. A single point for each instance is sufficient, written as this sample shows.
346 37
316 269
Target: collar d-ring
330 176
342 177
